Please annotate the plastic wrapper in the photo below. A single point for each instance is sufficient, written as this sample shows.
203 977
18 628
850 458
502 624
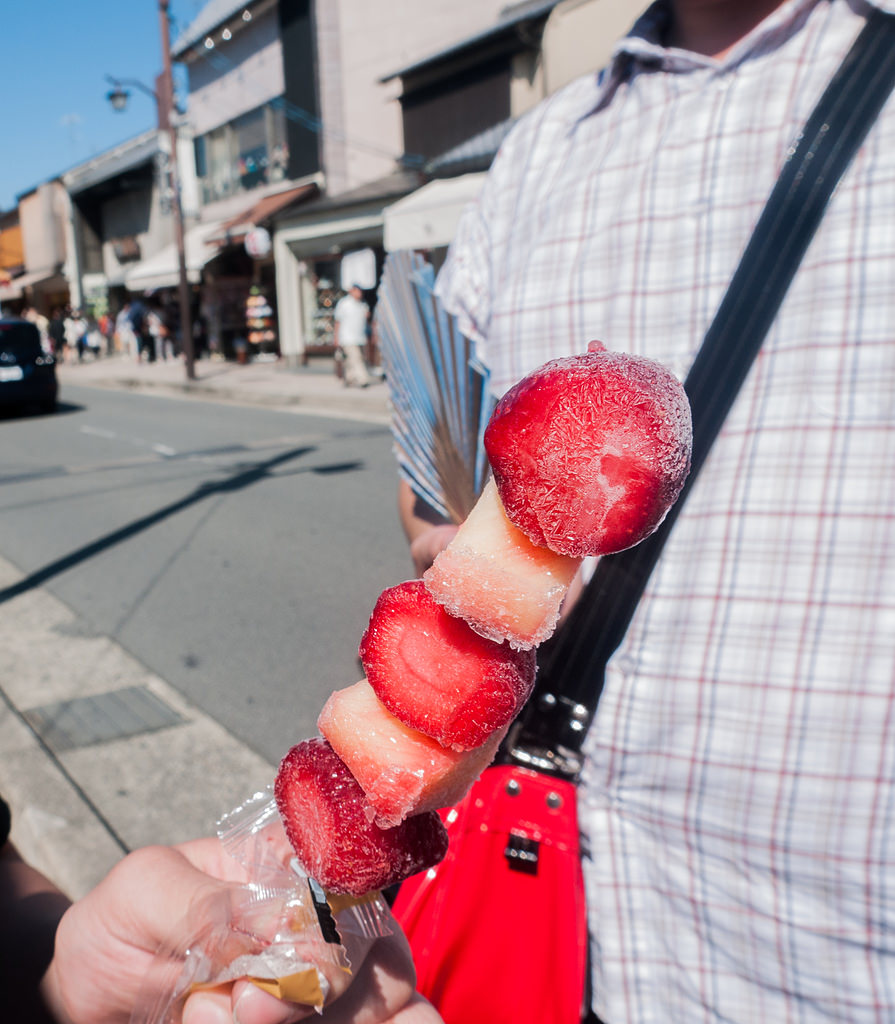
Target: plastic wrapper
279 930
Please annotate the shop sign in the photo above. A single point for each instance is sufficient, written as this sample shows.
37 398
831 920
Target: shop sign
359 267
257 243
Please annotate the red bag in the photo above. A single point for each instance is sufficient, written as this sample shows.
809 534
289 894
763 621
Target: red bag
498 929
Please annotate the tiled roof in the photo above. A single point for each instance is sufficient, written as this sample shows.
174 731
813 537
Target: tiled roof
473 154
512 16
391 186
123 157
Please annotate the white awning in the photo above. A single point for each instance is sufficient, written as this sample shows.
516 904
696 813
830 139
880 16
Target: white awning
163 269
16 287
427 218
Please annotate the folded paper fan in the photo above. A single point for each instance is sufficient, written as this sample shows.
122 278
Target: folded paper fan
440 397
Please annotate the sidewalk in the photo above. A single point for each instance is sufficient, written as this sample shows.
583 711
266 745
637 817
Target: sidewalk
314 389
99 754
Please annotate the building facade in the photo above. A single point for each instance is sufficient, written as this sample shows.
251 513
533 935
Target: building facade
121 217
44 214
251 112
12 252
326 245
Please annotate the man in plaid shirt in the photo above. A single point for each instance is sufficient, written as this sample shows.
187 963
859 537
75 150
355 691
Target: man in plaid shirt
739 792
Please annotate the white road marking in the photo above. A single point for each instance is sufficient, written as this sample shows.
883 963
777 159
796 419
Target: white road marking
138 442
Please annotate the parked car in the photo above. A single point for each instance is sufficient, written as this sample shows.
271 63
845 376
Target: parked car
27 372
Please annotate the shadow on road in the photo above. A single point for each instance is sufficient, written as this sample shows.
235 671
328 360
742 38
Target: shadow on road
238 481
34 412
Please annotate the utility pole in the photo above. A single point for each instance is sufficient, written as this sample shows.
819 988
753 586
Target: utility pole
167 117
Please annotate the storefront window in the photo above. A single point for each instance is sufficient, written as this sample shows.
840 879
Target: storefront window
219 179
320 293
249 151
277 144
251 148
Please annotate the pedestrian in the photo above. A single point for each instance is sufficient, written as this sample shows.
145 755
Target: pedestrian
200 337
155 331
352 317
75 336
41 322
137 319
107 331
93 339
125 339
56 333
736 799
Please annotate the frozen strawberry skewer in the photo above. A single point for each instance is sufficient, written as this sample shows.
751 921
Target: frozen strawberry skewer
588 454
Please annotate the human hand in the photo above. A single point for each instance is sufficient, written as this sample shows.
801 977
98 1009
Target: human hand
107 942
427 545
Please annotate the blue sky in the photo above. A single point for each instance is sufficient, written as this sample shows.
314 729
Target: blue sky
56 55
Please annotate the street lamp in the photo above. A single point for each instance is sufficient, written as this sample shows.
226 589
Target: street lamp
118 97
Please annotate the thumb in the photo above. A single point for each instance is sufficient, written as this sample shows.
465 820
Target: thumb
107 943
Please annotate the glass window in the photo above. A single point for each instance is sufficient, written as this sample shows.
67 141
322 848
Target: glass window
201 165
251 148
278 147
247 152
219 165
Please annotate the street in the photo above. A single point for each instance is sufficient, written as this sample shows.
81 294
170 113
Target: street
235 552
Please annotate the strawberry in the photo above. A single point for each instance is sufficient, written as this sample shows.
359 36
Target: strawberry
436 675
590 451
323 811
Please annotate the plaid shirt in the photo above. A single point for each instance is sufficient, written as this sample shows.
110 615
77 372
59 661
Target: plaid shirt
739 792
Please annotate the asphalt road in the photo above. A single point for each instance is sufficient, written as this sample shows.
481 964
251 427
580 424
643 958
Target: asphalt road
237 552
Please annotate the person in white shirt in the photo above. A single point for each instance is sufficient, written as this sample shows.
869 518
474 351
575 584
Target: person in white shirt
124 332
352 315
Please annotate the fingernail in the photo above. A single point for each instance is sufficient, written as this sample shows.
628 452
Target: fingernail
204 1011
253 1006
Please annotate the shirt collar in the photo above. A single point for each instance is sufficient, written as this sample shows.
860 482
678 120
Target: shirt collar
642 48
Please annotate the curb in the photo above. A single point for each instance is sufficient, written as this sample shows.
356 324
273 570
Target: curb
311 394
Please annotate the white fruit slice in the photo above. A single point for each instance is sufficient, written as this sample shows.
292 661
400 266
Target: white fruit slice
401 771
492 576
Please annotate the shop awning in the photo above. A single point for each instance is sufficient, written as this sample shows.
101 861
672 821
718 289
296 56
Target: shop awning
163 271
234 230
427 218
16 287
348 218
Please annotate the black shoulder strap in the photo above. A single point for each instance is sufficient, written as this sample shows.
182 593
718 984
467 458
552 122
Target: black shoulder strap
572 664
